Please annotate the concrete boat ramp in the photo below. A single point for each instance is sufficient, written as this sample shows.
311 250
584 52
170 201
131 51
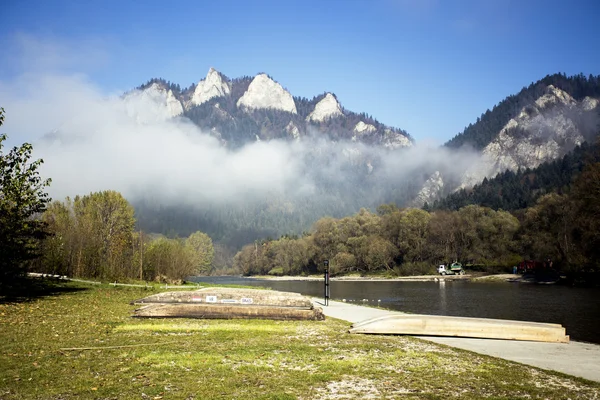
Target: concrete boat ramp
573 358
482 328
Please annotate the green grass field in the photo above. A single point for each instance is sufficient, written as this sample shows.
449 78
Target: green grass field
127 358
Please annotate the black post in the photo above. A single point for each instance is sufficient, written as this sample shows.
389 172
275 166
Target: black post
326 264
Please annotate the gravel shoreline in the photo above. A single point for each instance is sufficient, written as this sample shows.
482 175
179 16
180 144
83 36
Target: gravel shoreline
419 278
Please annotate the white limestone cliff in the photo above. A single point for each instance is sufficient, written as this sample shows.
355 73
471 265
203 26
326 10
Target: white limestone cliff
263 92
554 96
155 103
431 190
325 109
293 131
542 132
174 106
589 103
394 140
212 86
361 129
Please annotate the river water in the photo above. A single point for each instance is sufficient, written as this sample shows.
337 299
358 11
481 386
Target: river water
577 309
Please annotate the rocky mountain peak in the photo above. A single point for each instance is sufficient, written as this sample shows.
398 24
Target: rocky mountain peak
160 103
263 92
173 104
217 104
543 131
554 96
327 108
212 86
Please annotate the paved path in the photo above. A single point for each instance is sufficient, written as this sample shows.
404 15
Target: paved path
573 358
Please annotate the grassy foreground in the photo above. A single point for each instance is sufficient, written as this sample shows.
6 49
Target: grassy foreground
128 358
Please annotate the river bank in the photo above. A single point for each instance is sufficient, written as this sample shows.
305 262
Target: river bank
578 309
81 342
416 278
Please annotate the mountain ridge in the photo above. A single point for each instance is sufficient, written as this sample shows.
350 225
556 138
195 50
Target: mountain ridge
512 191
344 155
241 110
541 123
480 134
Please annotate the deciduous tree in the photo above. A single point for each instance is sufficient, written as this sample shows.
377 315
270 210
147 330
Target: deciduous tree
201 247
22 199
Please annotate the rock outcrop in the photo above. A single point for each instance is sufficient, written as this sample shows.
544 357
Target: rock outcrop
212 86
243 110
543 131
394 140
325 109
154 103
430 191
361 129
264 92
293 131
174 106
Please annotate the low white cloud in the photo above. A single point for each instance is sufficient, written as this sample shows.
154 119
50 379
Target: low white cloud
91 141
105 145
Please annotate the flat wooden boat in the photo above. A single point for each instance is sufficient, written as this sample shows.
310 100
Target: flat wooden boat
224 311
228 303
231 296
435 325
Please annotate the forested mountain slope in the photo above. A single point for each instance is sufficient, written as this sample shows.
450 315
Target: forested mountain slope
541 123
510 190
491 122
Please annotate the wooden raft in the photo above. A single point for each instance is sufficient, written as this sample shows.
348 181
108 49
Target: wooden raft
228 303
220 295
434 325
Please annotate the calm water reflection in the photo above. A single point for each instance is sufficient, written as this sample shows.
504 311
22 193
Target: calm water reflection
578 309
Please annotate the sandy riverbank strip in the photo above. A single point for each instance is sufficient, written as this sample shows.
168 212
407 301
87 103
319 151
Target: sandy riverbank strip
417 278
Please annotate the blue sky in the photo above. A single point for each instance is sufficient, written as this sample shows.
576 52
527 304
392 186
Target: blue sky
430 67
